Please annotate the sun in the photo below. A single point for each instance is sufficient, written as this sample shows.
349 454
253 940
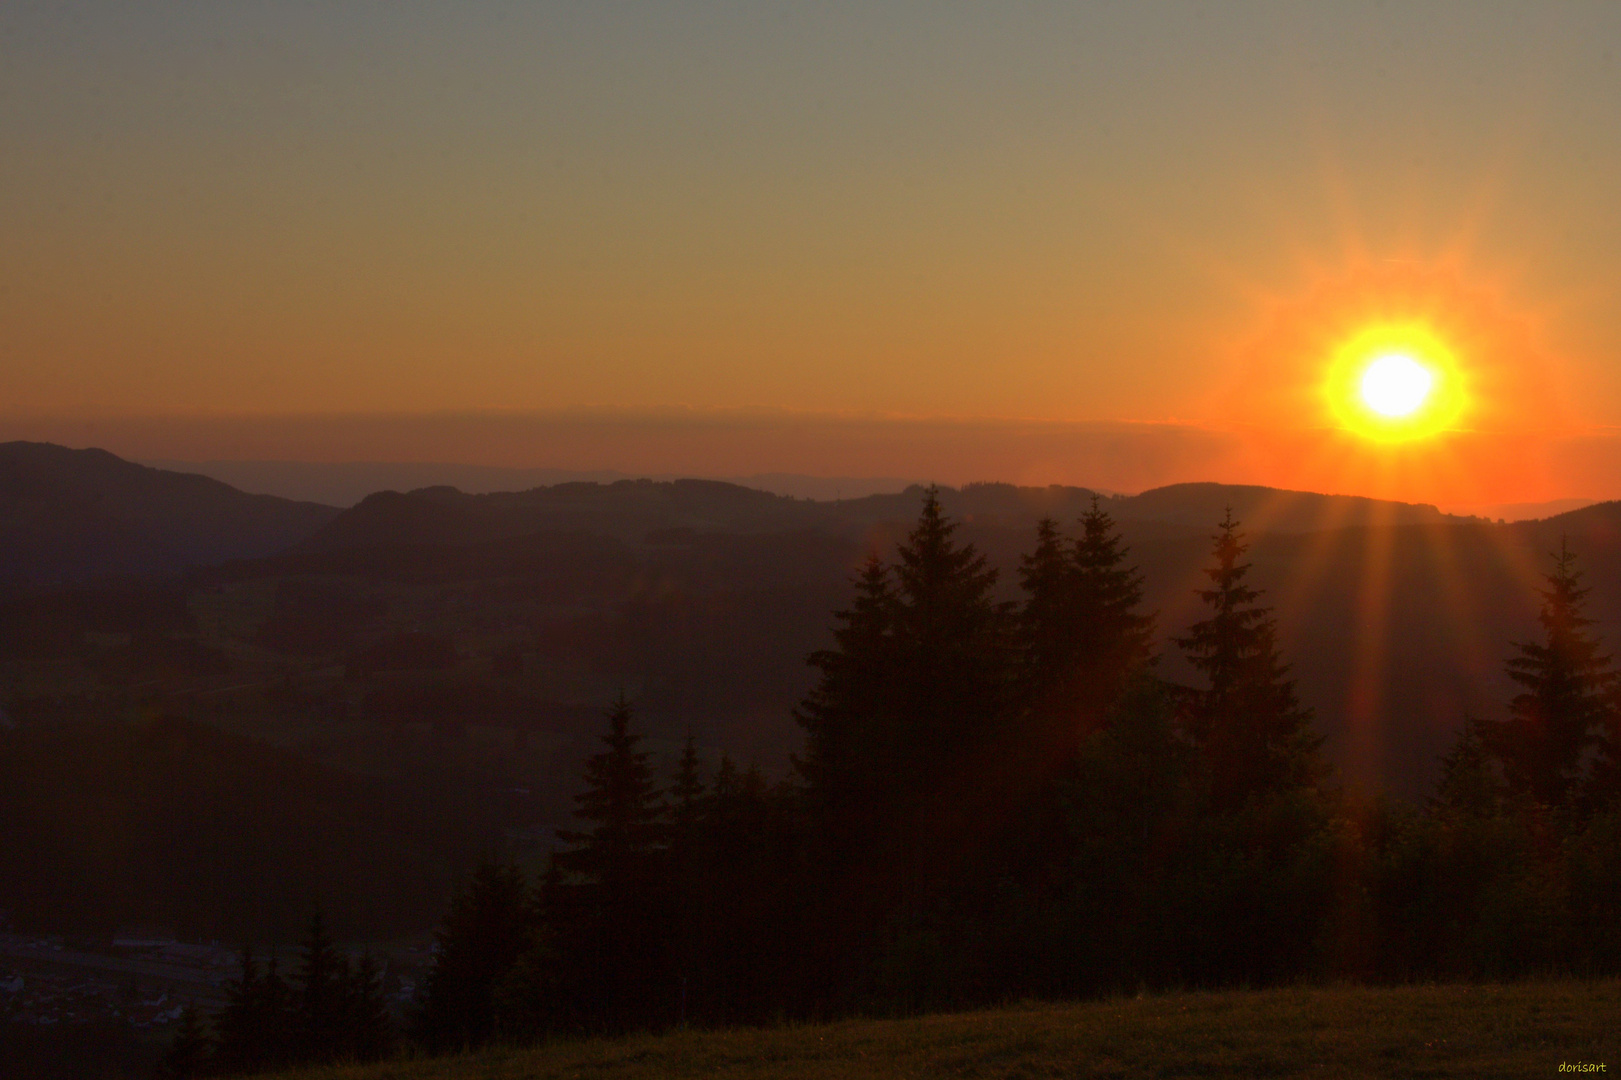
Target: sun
1395 382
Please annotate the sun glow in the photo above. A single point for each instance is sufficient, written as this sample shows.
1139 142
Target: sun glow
1395 382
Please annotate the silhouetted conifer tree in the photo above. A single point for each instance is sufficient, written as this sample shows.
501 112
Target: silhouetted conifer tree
486 930
754 945
1254 736
1567 705
318 998
849 716
1470 785
189 1052
687 820
1114 636
368 1032
1046 620
258 1025
952 645
909 703
622 807
614 901
686 795
727 780
906 763
1082 634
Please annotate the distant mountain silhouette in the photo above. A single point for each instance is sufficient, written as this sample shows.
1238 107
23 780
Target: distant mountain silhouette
632 510
625 509
345 483
1520 511
1269 509
69 515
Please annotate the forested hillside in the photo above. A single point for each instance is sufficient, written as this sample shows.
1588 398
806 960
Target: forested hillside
464 646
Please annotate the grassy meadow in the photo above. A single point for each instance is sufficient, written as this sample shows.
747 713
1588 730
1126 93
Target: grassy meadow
1455 1030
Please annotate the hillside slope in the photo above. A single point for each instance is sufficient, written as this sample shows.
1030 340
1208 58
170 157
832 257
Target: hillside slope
1337 1032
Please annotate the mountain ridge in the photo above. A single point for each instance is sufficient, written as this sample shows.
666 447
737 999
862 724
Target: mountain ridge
69 515
630 509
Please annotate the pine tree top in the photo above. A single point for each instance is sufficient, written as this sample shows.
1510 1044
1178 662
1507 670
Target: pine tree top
1567 703
1238 630
621 804
687 792
934 571
1249 722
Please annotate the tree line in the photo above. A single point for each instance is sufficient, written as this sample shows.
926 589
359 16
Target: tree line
998 800
332 1009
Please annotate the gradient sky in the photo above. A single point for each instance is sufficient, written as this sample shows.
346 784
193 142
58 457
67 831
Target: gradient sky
305 228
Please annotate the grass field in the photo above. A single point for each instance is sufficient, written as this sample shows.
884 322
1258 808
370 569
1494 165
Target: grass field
1521 1030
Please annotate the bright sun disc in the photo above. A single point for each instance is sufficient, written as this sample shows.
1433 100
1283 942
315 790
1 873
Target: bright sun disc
1396 384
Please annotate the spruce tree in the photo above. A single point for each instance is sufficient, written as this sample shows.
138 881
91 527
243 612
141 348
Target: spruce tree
622 809
258 1027
318 999
1082 635
1046 620
278 1015
686 795
727 783
368 1032
910 695
486 930
1254 736
952 647
188 1053
1567 705
1114 637
687 877
1470 786
849 716
239 1022
614 904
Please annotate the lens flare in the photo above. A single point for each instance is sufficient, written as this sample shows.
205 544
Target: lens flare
1395 382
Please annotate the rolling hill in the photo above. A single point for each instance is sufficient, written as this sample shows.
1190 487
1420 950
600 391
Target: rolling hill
72 515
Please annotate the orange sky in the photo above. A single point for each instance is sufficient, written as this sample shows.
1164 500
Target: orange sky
900 239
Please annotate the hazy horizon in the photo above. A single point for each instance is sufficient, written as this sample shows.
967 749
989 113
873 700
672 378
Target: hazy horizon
1460 470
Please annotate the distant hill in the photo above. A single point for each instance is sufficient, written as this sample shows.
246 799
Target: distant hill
345 483
70 515
636 509
1269 509
625 509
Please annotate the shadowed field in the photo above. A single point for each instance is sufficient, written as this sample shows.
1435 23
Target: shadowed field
1520 1030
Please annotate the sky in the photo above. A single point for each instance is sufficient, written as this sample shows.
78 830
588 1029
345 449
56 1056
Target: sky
1105 244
